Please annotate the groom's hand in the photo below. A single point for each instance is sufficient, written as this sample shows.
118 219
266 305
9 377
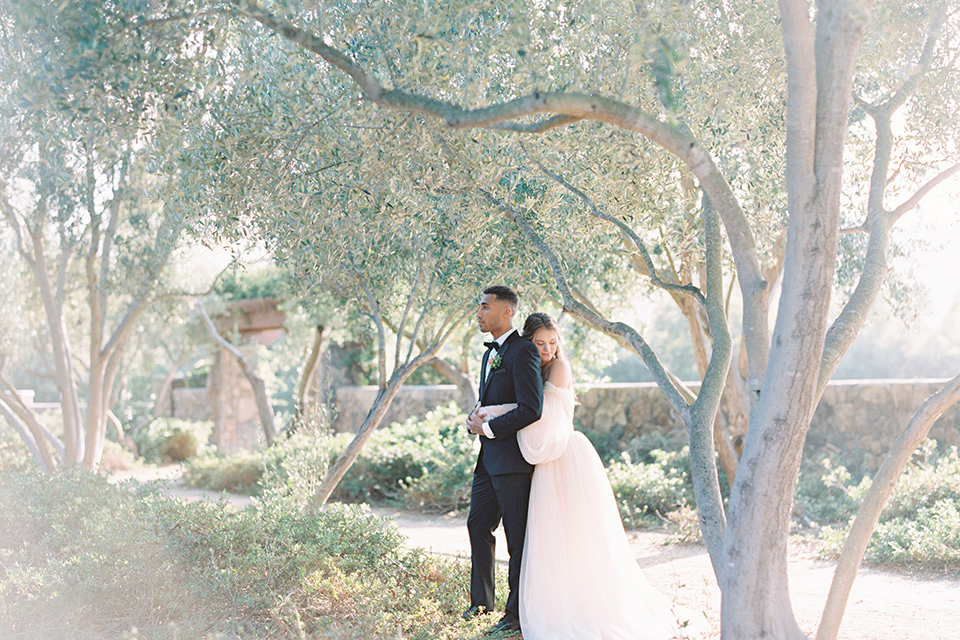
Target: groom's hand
474 423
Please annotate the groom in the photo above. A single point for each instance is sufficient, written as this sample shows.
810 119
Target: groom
509 373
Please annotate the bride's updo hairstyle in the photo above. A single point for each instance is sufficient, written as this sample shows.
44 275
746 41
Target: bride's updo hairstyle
540 320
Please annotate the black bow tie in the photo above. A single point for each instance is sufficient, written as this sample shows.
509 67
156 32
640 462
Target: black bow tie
493 344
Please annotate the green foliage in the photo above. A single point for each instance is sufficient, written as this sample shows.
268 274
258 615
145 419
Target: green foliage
294 467
171 439
252 283
920 524
79 554
647 491
930 539
13 452
933 479
290 470
237 473
85 100
83 559
116 457
425 464
827 493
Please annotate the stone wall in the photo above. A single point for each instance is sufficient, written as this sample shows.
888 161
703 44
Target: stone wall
190 403
351 404
861 419
857 419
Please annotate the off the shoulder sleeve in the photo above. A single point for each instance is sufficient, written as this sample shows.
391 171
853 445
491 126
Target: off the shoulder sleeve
546 439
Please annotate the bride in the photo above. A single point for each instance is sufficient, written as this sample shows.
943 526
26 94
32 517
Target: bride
578 579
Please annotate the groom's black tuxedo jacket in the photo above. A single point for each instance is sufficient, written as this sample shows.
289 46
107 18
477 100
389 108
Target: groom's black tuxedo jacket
517 380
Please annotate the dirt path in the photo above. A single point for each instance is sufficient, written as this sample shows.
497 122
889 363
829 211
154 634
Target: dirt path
882 606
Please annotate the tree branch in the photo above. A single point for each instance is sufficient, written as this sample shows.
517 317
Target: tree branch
909 86
624 229
624 334
915 199
26 437
876 497
403 318
38 434
10 214
567 108
381 333
704 409
542 126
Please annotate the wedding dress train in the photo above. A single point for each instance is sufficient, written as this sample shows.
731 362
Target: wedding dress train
579 579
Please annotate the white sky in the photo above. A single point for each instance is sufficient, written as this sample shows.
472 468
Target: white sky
936 222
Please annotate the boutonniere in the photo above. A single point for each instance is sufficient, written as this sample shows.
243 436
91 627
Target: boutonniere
495 362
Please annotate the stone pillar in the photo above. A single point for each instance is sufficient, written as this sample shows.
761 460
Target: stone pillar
236 423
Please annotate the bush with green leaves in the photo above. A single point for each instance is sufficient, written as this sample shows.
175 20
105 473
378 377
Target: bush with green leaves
84 559
116 457
919 527
425 464
239 472
647 491
78 555
13 453
292 467
827 493
168 439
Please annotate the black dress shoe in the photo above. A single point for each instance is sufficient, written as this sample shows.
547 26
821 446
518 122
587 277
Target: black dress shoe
507 623
473 612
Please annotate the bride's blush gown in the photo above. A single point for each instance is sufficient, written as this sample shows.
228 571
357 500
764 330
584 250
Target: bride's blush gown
579 579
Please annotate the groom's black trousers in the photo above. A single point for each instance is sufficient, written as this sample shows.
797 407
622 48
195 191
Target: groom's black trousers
493 498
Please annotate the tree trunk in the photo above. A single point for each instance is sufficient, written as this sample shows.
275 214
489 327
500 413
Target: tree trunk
62 358
96 417
349 455
754 584
166 388
721 433
36 446
468 392
24 422
880 489
309 374
388 391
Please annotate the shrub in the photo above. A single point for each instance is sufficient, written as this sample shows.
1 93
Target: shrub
116 457
237 473
78 554
445 483
646 492
13 453
931 479
930 540
170 439
295 466
83 559
920 524
826 491
423 463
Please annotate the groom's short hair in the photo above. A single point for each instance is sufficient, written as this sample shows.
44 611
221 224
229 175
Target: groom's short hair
505 293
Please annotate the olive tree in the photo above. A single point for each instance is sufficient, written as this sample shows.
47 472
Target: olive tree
350 203
537 68
84 98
